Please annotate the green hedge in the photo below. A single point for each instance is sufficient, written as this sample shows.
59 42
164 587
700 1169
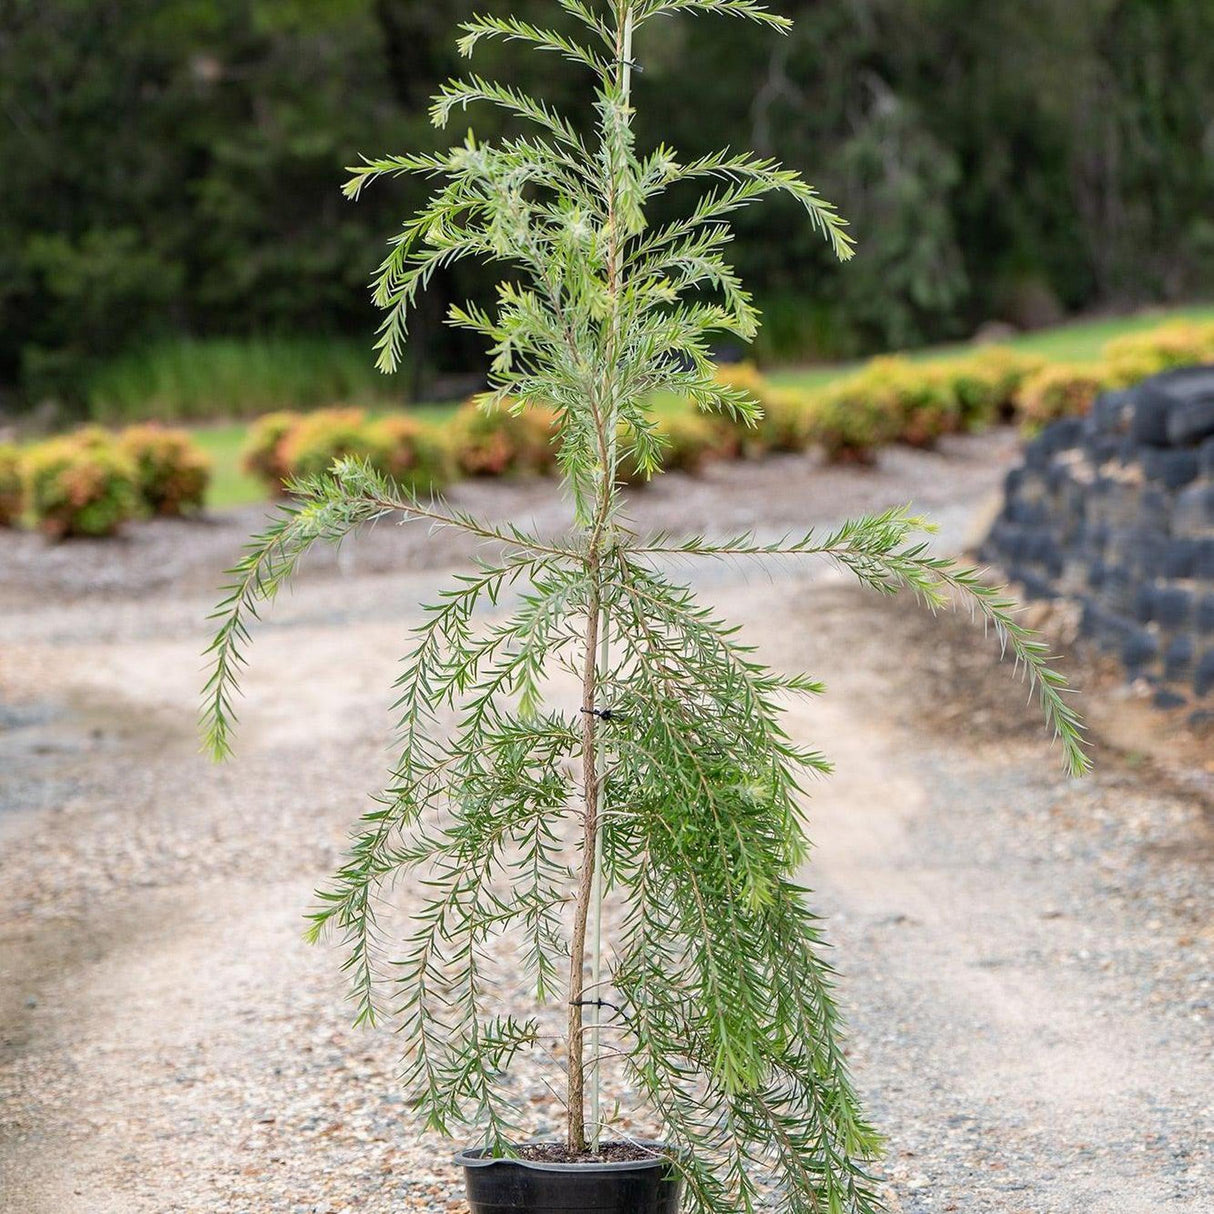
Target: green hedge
172 474
896 400
12 497
282 446
93 481
80 485
888 400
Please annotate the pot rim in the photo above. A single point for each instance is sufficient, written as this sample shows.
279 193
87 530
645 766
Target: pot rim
476 1157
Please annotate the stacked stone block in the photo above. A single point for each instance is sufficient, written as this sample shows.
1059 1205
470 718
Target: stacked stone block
1116 511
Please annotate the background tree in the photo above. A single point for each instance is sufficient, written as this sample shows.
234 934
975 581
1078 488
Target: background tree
169 164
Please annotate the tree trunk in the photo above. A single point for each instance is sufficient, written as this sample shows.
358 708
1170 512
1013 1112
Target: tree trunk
576 1104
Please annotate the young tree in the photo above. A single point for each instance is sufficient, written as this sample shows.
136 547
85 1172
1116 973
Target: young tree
676 767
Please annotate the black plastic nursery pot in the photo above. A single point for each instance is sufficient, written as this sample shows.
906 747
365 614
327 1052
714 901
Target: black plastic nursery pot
635 1186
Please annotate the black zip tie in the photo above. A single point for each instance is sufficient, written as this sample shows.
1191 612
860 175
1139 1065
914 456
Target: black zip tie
603 714
596 1003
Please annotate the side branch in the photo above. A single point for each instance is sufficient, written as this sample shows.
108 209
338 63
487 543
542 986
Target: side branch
881 551
326 508
353 481
269 562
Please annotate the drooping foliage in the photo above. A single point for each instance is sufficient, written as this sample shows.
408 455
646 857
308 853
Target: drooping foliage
672 787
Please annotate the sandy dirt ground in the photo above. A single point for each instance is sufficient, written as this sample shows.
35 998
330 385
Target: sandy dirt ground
1027 961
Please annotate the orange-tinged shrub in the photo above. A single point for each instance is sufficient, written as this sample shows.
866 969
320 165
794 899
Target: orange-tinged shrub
986 383
172 472
1060 390
80 485
262 454
503 441
410 452
923 397
282 446
12 496
1137 356
888 400
310 447
689 441
784 425
850 424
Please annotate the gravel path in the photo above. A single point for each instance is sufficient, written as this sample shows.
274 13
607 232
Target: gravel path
1028 961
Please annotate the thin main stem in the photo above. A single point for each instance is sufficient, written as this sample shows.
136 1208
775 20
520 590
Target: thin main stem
576 1104
595 665
596 910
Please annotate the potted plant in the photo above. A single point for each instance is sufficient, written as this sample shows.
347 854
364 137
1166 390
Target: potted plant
667 787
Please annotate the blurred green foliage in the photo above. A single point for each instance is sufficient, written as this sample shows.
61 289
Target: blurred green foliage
171 167
185 379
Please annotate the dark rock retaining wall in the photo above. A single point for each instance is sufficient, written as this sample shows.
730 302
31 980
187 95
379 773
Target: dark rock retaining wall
1116 511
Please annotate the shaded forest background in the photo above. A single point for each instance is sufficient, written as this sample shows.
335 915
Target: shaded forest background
171 167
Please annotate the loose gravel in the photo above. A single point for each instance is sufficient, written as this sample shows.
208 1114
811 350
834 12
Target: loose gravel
1028 961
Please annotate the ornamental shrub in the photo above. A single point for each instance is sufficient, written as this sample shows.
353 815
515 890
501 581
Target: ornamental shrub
986 384
93 436
503 440
410 452
172 472
262 454
80 485
1137 356
11 494
1061 390
687 441
850 423
784 425
921 396
310 447
281 446
785 422
888 400
918 397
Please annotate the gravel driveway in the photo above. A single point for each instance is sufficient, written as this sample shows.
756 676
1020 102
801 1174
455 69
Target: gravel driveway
1027 960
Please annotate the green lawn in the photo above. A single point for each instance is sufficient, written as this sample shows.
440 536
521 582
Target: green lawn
230 486
1079 341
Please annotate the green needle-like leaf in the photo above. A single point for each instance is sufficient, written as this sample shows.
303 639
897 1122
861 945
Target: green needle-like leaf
669 783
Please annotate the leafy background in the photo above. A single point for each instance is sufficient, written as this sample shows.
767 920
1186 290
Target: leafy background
171 167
